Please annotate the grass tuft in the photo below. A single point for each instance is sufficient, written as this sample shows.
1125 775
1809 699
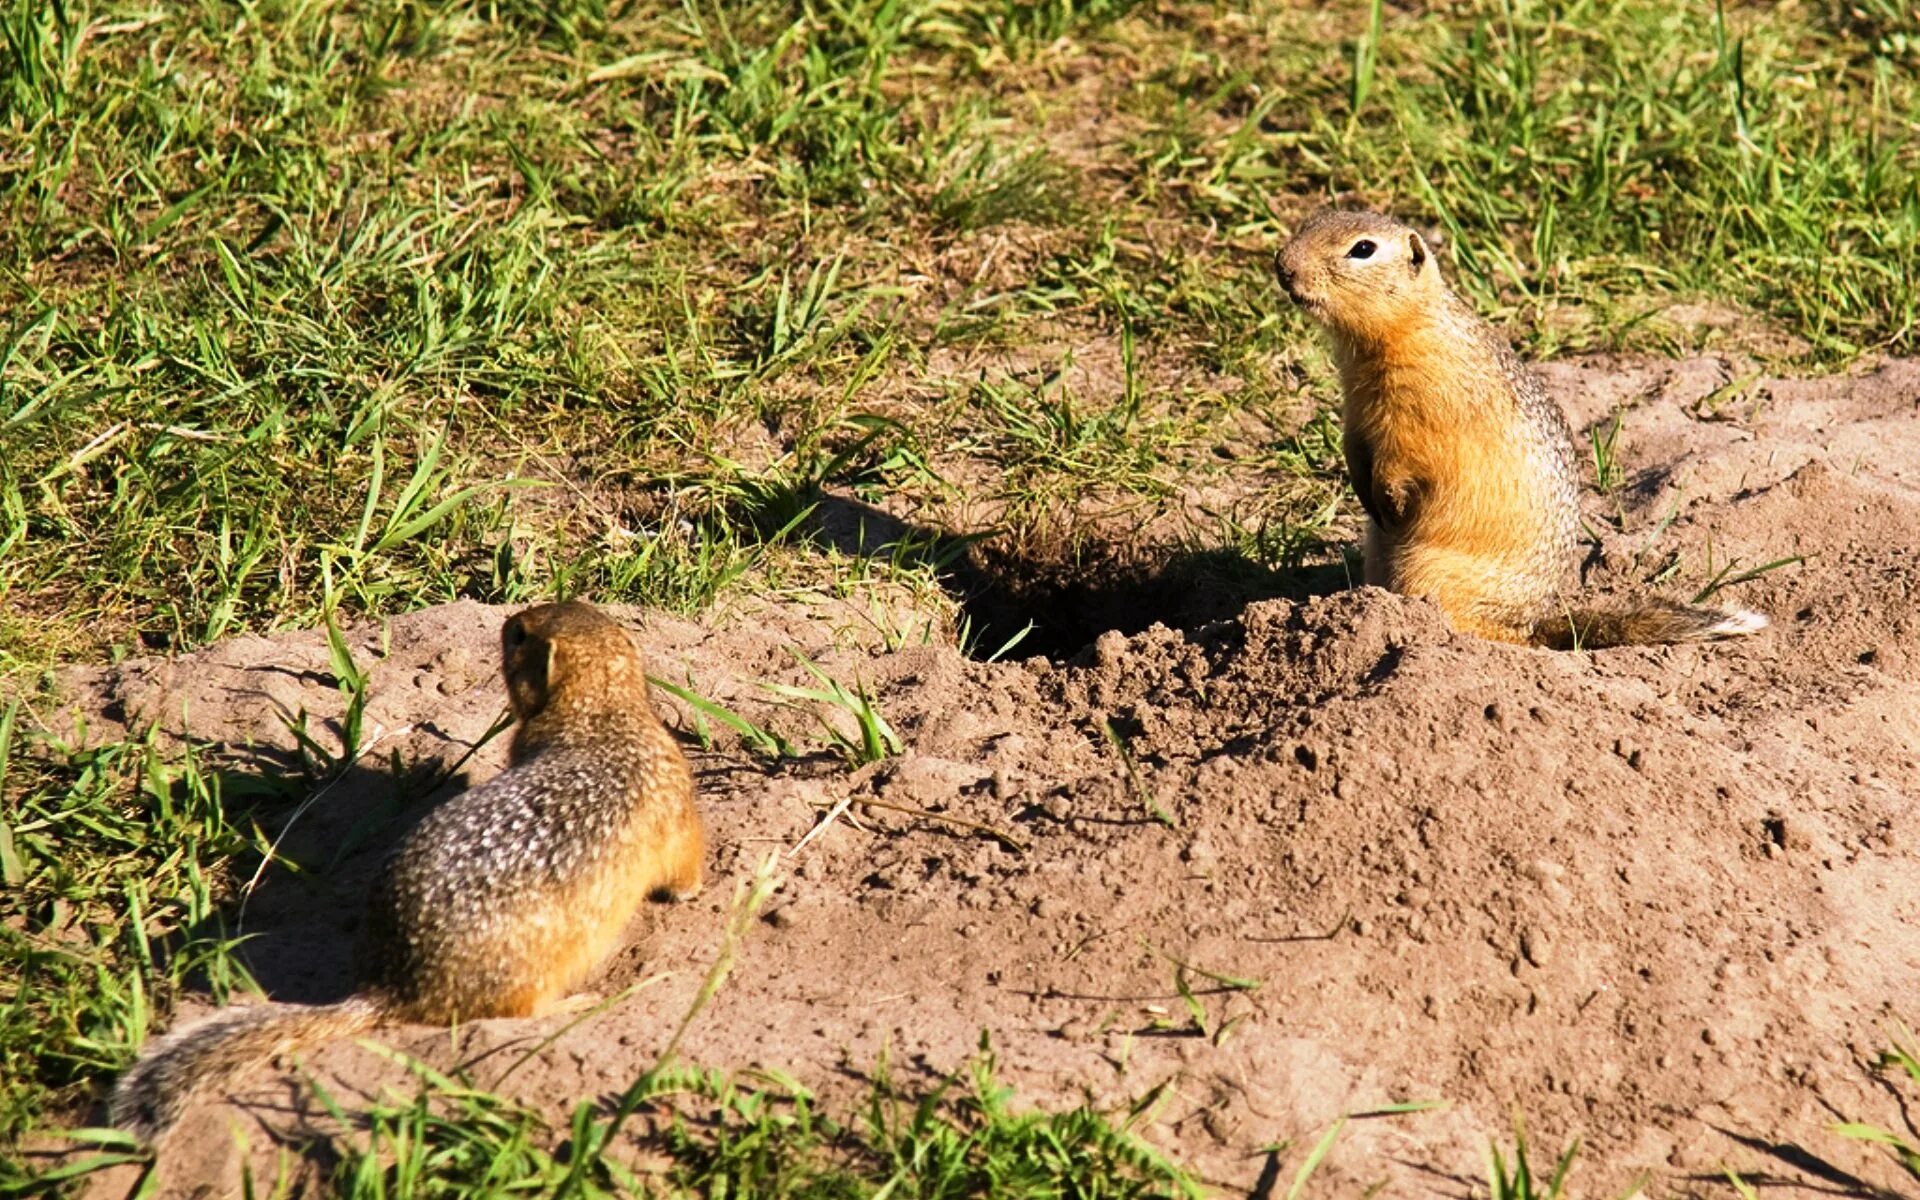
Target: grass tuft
114 899
710 1133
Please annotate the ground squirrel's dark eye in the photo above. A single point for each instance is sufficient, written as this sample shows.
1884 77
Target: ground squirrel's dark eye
1361 249
516 635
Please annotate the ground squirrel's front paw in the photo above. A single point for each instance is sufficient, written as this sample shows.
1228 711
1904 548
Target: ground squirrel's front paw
677 893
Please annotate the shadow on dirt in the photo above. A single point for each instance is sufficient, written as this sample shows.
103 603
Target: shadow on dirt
1834 1180
1054 602
300 911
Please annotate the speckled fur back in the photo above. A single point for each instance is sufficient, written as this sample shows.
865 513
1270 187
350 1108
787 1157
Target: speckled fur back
462 914
500 901
507 896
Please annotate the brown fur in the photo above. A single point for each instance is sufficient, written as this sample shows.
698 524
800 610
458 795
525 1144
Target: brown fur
506 897
221 1047
1650 621
1462 461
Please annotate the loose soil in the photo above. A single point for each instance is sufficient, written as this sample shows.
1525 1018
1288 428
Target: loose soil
1666 900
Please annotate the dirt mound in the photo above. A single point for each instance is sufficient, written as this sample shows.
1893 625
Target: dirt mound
1662 899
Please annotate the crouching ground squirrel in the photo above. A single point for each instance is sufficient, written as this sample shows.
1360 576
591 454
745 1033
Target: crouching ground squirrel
1461 459
504 898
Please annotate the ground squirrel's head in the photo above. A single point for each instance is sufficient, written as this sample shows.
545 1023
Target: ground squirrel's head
569 658
1360 274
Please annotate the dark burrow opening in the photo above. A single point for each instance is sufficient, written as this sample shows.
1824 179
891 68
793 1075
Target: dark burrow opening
1018 606
1018 601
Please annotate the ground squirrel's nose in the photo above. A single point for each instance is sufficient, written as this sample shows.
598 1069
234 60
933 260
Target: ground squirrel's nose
1281 272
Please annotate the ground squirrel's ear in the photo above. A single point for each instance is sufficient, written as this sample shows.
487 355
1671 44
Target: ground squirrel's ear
529 668
1416 253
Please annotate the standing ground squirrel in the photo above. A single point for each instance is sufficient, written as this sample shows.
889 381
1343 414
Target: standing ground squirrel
1461 459
505 897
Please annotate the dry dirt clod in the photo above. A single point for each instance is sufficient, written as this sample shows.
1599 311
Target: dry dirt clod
1535 947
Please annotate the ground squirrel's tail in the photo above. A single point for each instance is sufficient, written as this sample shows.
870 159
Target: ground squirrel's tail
1645 621
212 1053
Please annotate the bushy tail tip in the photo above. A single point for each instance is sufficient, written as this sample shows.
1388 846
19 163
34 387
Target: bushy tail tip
1738 622
212 1053
1646 622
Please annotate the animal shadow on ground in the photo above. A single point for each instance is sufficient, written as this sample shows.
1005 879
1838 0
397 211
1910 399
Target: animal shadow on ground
1054 602
300 911
296 914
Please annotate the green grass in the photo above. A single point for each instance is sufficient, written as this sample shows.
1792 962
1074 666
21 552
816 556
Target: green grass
871 740
685 1132
514 299
113 858
317 308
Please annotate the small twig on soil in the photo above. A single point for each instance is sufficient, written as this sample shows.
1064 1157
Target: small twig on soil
1328 936
1231 982
1006 839
820 827
1721 580
501 724
273 849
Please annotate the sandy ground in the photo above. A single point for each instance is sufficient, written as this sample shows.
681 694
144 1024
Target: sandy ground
1666 900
